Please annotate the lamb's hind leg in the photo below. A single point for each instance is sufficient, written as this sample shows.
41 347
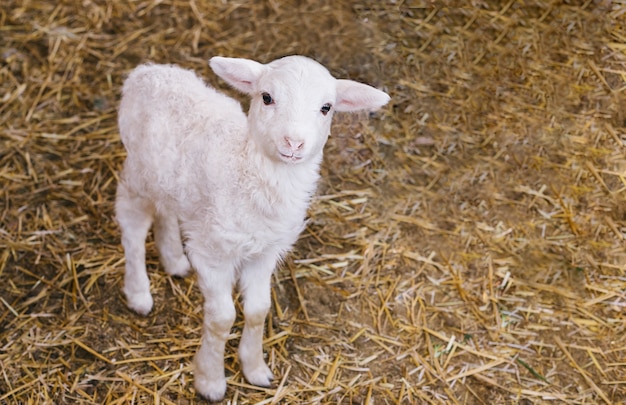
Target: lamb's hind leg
134 216
170 246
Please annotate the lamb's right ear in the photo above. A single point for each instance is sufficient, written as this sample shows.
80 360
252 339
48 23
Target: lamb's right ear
238 72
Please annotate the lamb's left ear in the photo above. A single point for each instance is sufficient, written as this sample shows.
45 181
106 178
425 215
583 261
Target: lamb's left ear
238 72
354 96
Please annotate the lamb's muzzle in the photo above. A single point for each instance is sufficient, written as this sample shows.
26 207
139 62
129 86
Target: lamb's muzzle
235 188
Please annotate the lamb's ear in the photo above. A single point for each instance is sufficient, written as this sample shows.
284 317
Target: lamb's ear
354 96
239 73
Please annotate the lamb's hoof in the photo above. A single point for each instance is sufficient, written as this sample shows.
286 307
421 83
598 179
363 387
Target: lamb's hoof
140 302
261 376
179 268
213 390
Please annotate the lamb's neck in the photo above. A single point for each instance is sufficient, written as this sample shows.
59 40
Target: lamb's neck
277 185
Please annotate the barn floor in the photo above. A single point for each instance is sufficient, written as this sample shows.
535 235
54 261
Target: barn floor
467 244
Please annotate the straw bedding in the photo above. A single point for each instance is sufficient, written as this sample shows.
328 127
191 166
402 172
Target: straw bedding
466 245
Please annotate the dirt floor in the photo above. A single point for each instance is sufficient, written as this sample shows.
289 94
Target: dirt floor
467 244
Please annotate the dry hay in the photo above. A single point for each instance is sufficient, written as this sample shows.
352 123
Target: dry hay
467 245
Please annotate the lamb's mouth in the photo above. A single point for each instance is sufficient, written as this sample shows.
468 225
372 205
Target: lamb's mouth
290 158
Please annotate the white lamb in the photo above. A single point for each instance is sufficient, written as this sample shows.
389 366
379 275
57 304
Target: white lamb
237 188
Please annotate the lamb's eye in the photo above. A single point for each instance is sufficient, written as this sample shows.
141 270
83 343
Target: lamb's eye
326 108
267 99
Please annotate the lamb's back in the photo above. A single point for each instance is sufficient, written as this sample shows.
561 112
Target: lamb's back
178 132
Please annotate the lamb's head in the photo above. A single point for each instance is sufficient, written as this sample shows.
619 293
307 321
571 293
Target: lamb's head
293 101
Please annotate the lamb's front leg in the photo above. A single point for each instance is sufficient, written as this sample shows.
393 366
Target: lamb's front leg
216 283
255 286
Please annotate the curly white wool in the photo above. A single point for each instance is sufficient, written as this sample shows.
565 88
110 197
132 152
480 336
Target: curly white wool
236 187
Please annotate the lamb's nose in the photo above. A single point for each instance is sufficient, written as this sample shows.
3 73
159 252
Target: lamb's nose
294 144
